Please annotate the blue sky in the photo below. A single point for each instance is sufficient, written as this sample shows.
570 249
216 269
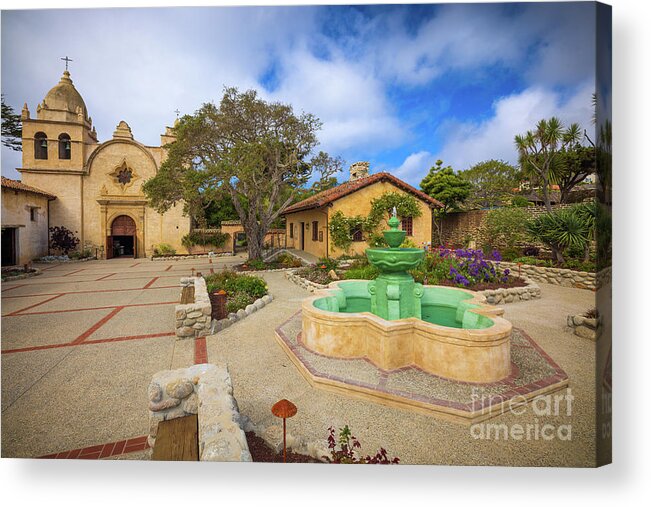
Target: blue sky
397 85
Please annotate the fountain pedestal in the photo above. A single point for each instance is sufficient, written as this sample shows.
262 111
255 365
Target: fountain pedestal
394 293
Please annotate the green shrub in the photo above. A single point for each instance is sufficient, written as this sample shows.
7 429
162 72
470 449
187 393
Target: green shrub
241 290
361 273
164 249
216 239
506 227
232 283
519 201
238 301
327 264
288 261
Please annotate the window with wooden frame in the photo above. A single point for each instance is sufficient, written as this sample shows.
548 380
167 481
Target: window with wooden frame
33 214
291 230
408 225
315 230
356 233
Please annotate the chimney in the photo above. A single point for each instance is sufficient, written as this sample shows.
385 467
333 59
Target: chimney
359 170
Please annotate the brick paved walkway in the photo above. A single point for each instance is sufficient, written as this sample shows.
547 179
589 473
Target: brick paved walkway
79 345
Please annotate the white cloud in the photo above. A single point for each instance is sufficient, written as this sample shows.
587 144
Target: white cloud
466 144
348 99
415 167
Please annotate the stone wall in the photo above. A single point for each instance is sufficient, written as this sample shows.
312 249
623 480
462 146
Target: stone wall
512 294
205 390
554 276
463 227
194 319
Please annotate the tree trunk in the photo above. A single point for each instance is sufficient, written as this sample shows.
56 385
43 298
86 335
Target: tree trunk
255 239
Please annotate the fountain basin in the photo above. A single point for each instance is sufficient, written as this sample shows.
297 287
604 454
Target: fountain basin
457 337
394 260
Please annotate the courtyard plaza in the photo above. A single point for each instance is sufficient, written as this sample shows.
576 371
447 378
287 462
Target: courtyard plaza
81 342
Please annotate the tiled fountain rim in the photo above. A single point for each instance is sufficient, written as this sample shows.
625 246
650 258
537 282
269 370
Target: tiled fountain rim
468 413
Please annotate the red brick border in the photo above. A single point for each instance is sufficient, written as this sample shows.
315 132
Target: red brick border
103 450
151 282
200 350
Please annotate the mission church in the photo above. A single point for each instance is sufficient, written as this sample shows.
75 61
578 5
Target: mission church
97 185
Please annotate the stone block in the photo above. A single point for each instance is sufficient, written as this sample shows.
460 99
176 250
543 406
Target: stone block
266 299
179 388
164 404
241 314
195 314
585 332
179 314
189 322
250 309
185 331
154 392
259 304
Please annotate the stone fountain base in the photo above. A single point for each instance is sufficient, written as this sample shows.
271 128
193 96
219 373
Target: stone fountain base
533 373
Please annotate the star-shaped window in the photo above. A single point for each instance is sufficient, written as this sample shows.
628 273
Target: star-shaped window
124 176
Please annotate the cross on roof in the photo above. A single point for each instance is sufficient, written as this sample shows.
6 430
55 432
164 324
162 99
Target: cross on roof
66 59
177 112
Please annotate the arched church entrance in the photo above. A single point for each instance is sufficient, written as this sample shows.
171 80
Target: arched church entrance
122 241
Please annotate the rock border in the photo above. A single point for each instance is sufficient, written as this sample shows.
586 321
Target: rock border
194 319
584 327
493 296
512 294
241 314
555 276
189 256
304 282
36 272
205 390
58 258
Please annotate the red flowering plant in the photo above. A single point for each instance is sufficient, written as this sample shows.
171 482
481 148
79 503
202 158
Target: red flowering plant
347 452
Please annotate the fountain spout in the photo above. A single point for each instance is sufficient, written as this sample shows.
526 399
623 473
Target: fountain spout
394 293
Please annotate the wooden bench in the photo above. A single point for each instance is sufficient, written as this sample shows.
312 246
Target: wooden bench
177 440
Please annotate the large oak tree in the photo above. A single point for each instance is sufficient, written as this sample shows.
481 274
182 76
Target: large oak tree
258 153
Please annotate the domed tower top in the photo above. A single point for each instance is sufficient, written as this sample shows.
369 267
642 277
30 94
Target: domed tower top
63 103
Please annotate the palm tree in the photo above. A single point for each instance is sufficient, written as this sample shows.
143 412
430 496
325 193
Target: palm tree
540 157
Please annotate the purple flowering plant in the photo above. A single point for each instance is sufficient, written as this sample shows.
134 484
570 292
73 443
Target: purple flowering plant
464 266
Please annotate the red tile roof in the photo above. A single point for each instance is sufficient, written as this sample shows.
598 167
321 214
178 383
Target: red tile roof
19 185
332 194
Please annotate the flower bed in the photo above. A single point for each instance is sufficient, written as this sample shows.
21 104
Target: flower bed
241 290
9 274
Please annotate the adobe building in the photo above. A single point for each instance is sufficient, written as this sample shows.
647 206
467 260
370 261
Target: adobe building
25 215
307 221
98 185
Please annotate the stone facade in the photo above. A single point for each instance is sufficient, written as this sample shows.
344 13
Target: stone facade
555 276
205 390
24 223
96 182
194 319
